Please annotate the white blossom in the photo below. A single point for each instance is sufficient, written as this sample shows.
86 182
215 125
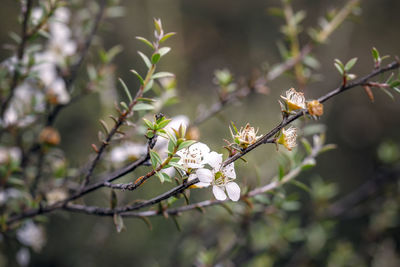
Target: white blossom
127 151
194 156
221 178
31 235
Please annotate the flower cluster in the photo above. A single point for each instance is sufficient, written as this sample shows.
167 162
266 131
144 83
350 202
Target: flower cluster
194 159
31 95
295 101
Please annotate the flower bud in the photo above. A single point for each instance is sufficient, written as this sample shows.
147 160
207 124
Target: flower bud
315 108
49 136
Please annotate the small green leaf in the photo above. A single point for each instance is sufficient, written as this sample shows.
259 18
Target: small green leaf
234 127
394 84
326 148
162 74
119 222
339 68
167 36
154 158
138 76
306 145
185 144
144 99
308 164
157 25
387 92
148 123
176 165
396 89
375 54
155 58
105 127
281 172
124 105
301 185
172 138
164 50
148 86
166 177
145 59
163 123
350 64
126 90
143 106
171 147
160 176
145 41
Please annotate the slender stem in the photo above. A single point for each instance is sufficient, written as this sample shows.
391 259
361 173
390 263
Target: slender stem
20 56
74 69
118 124
139 181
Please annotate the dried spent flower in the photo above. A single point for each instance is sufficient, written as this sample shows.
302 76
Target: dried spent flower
288 138
295 100
246 136
315 108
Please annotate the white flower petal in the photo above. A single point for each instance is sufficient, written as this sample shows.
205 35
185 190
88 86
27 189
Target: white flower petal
214 160
201 148
205 175
229 171
233 191
219 193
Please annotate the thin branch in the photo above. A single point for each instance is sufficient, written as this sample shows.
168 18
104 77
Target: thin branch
267 138
74 69
20 55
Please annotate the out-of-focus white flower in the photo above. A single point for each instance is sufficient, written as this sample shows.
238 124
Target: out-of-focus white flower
8 194
23 257
56 195
127 151
27 99
194 157
221 178
36 15
295 100
9 153
32 236
288 138
60 43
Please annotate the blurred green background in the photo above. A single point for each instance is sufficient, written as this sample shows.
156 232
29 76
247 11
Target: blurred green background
241 36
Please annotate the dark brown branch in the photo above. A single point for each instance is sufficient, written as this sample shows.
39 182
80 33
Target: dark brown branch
90 188
267 138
